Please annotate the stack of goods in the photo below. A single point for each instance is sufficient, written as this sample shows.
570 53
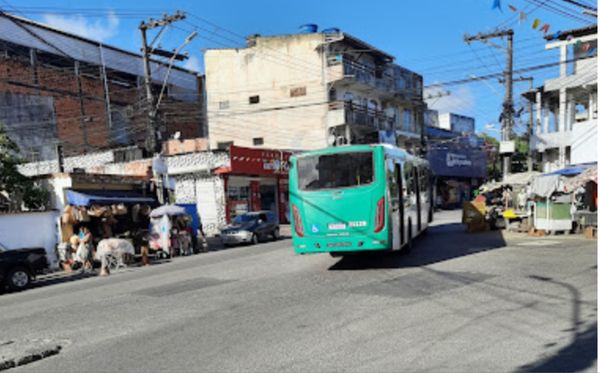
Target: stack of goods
474 213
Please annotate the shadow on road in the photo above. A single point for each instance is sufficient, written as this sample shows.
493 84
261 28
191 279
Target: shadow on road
440 243
578 355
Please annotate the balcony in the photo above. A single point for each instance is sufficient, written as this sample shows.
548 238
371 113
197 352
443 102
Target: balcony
341 113
390 80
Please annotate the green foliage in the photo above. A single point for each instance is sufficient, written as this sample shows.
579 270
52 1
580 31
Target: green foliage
20 190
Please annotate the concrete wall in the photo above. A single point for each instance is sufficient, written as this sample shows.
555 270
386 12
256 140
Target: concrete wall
208 193
31 229
584 142
271 70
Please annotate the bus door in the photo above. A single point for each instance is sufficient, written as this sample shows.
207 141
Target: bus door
401 192
417 188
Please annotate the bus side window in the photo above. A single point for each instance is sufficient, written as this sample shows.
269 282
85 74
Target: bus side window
408 179
392 178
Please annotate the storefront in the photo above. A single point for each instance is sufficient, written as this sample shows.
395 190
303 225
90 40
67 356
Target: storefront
459 168
257 179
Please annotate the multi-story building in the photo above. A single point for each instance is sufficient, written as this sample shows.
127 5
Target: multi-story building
57 88
311 90
565 130
457 123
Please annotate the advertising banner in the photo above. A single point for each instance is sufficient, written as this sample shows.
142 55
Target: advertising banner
458 160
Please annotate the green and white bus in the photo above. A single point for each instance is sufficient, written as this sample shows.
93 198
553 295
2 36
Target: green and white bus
358 198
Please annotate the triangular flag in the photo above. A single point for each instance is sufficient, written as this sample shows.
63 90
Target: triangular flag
496 5
536 23
569 37
556 35
522 17
512 7
577 44
545 28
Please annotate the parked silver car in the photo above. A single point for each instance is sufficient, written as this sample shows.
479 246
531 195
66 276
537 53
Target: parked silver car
251 227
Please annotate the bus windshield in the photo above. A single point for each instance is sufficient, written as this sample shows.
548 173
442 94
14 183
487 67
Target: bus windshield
331 171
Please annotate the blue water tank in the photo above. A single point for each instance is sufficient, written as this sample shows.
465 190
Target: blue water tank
331 30
308 28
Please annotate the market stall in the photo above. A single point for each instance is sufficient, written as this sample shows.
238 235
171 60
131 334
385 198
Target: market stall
107 214
566 199
171 231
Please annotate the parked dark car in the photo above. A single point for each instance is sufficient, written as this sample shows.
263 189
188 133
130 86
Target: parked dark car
251 227
18 267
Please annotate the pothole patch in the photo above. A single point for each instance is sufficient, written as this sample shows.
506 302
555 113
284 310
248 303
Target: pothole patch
14 353
539 243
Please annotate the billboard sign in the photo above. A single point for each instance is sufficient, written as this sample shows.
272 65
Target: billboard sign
457 160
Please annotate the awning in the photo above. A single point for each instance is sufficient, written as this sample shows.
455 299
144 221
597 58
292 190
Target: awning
573 170
106 197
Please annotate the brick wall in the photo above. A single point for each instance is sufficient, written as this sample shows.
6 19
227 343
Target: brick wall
81 112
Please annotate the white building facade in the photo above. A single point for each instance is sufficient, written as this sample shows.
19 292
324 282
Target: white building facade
308 91
566 125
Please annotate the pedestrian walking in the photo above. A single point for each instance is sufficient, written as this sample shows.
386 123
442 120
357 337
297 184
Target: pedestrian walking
84 249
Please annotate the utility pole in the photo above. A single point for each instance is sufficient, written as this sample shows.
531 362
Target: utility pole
507 105
147 50
154 142
530 151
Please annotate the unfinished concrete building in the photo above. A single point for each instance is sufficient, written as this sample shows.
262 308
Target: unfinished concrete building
57 88
311 90
566 125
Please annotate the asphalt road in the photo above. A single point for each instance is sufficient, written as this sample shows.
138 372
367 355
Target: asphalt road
458 302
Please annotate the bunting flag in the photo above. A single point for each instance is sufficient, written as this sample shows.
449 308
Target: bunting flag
496 5
536 23
569 37
512 7
545 28
522 17
577 45
556 35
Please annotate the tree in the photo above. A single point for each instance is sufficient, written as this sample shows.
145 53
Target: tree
19 190
494 168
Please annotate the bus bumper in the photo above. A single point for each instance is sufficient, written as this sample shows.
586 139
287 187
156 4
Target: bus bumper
313 245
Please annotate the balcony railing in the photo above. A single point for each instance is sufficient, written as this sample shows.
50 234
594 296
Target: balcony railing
391 79
362 116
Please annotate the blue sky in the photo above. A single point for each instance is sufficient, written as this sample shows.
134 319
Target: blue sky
425 35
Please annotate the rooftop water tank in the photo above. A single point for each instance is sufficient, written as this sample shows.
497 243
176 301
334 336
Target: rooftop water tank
308 28
331 30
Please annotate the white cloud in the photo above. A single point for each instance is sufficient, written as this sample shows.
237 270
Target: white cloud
460 101
98 29
192 63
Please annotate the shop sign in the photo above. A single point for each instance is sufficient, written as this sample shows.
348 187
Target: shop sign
259 161
507 147
457 160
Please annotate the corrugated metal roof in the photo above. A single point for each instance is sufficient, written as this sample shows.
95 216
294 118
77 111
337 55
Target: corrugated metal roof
25 32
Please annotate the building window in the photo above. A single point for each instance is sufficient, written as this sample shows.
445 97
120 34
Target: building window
298 91
224 145
224 104
258 141
254 99
407 120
